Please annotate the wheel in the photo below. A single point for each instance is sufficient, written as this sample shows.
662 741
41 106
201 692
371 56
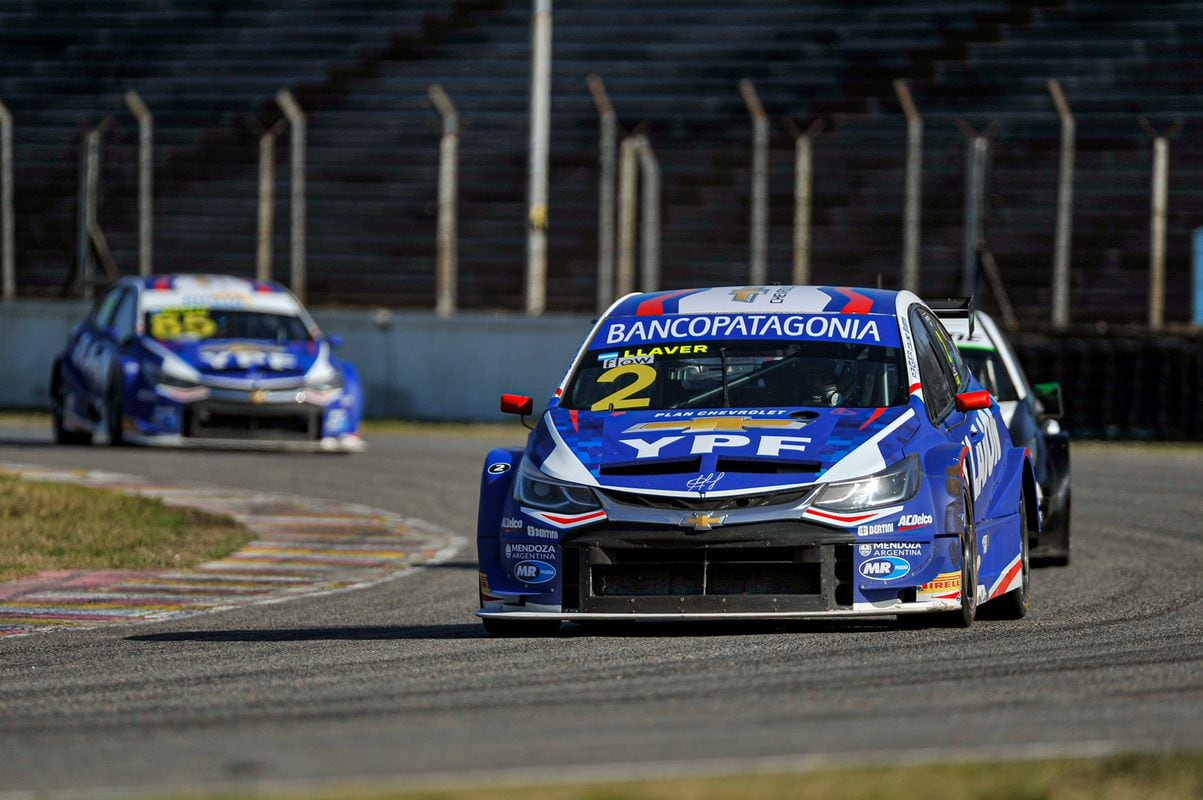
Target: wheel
963 617
1015 603
508 628
57 404
114 413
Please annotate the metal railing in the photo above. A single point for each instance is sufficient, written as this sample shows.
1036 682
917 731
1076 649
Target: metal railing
629 204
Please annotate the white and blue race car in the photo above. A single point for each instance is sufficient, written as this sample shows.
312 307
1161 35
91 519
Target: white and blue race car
758 452
204 359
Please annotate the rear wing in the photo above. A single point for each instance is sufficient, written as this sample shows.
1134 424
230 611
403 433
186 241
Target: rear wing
953 308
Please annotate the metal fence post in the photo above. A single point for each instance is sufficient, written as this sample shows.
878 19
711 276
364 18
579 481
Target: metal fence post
1161 162
914 184
606 158
977 155
540 130
447 278
7 254
1157 221
758 261
296 121
627 190
145 181
267 202
89 178
1065 190
803 184
649 169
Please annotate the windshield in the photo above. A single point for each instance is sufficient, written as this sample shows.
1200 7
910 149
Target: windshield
988 366
738 373
197 324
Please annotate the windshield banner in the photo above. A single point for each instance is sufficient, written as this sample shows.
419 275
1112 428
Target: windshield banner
877 329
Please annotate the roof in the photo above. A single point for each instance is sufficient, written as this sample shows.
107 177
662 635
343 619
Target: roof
779 299
209 291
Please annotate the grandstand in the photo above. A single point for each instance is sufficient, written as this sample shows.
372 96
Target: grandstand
209 69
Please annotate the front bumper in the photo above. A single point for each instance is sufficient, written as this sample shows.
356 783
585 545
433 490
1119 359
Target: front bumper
772 569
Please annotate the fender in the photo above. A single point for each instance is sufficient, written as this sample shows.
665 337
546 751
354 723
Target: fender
943 475
496 483
1015 476
352 385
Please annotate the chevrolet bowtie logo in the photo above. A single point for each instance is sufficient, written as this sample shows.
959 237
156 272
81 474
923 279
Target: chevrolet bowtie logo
704 521
712 424
748 294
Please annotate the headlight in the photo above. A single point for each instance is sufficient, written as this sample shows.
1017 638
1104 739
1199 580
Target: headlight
156 375
551 496
325 382
888 487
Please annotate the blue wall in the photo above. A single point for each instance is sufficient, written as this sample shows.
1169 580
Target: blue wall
413 364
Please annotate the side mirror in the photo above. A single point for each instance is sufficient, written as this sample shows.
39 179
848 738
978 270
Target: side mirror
1051 400
335 342
518 404
973 401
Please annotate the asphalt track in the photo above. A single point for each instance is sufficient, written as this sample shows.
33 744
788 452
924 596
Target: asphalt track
399 682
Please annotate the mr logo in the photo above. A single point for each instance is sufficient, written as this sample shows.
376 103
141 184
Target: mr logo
886 568
534 571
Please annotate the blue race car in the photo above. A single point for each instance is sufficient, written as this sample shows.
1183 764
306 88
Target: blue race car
204 359
1033 417
758 452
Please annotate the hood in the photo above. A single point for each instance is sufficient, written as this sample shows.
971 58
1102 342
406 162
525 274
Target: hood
240 359
719 452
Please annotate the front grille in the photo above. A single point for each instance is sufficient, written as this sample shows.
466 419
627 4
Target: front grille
707 578
227 421
787 497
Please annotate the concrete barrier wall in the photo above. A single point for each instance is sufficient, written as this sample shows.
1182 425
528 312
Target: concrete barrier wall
413 365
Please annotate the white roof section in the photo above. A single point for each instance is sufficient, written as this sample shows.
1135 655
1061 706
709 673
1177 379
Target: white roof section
217 291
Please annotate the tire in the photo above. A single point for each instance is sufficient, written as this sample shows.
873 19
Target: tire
1015 603
963 617
57 404
509 628
114 413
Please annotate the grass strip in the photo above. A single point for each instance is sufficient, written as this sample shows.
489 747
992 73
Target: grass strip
1124 777
51 526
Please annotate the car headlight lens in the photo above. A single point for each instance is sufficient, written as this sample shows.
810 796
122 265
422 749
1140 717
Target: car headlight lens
156 375
326 382
552 496
888 487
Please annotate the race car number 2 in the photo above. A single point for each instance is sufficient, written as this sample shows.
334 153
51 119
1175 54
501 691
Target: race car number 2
625 397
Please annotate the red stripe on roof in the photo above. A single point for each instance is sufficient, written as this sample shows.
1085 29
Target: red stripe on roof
857 302
915 387
655 306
